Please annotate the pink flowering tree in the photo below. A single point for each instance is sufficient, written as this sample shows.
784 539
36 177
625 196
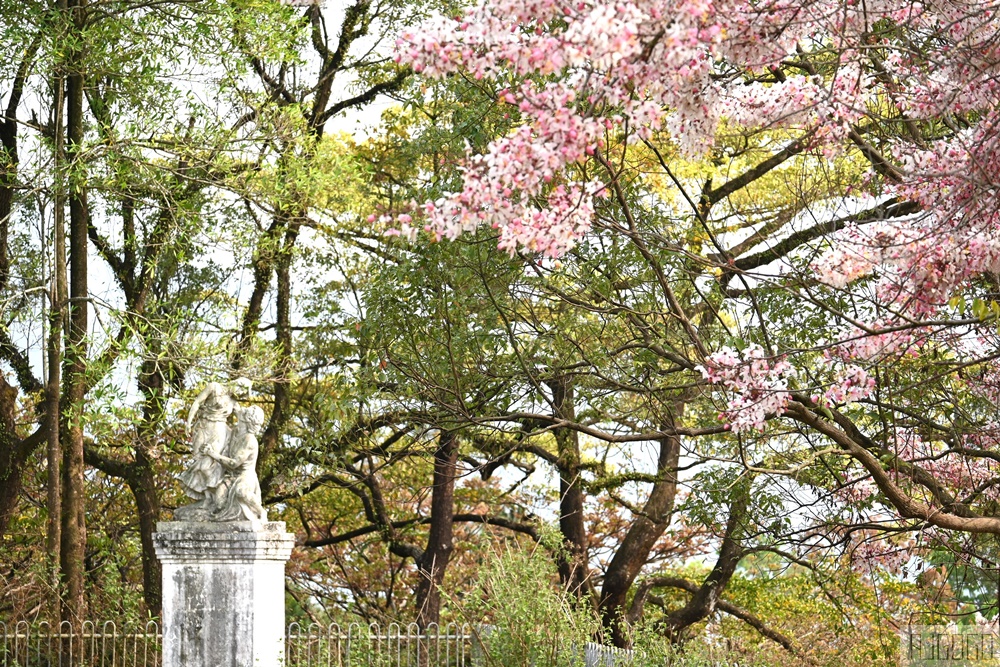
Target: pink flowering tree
806 194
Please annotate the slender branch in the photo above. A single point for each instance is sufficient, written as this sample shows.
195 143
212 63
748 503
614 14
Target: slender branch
500 522
751 175
894 208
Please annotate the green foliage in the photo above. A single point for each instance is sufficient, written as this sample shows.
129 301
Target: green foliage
532 622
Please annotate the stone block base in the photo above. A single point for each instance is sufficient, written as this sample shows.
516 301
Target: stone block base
223 592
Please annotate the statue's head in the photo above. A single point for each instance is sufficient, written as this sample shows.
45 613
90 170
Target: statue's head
240 387
253 419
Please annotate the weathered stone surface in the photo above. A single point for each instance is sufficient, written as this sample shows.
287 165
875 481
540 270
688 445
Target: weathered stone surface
221 476
223 592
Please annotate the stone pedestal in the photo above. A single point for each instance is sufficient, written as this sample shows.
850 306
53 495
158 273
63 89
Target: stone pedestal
223 592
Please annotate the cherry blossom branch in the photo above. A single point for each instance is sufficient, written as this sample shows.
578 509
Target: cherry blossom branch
906 506
893 208
716 195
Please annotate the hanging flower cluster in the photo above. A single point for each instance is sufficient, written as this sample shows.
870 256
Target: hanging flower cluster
758 385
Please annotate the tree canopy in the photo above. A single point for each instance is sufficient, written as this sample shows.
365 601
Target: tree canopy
695 301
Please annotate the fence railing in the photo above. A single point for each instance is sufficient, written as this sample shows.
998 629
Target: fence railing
105 644
91 644
393 645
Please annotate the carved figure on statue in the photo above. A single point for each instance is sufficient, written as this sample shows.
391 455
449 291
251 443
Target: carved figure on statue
208 425
241 499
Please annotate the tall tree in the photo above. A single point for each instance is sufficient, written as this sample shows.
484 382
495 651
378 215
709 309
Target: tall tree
73 530
434 560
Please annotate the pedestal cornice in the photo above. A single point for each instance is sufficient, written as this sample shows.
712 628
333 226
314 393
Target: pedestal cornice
222 542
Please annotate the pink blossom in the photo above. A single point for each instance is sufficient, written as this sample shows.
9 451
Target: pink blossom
851 384
651 61
666 65
757 385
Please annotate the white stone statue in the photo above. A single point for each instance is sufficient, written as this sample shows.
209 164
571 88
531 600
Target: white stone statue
241 498
208 423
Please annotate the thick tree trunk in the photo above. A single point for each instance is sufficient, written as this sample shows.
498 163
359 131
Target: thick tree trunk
54 453
74 532
641 537
284 368
435 558
141 478
703 603
142 483
574 572
13 455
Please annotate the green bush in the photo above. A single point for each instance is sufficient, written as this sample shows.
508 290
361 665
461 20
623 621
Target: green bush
530 621
526 619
